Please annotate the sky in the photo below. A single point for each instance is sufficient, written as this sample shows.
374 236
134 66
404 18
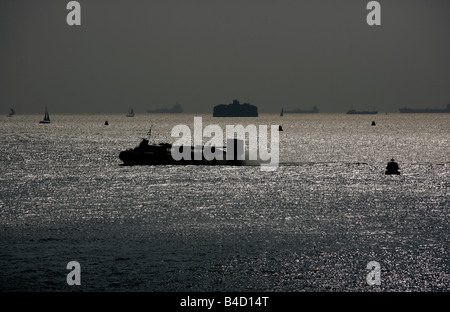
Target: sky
200 53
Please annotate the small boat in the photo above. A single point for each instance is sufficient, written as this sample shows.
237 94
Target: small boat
392 167
11 113
373 123
280 128
46 117
106 123
130 113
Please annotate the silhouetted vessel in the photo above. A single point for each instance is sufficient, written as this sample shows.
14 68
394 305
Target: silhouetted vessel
130 113
373 123
282 113
352 112
161 154
314 110
392 167
425 110
11 112
235 110
46 117
176 109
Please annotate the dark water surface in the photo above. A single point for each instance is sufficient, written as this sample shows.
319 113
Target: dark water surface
312 225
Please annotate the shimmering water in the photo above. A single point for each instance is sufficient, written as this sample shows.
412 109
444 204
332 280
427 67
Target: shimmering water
312 225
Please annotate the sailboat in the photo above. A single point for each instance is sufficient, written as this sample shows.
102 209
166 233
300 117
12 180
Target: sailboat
46 117
11 113
131 113
281 114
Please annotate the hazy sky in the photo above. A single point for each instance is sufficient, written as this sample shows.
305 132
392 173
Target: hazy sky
200 53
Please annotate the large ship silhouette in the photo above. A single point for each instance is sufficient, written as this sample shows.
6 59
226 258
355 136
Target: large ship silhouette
161 154
235 109
425 110
355 112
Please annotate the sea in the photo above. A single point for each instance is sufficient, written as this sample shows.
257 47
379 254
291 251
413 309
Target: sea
318 223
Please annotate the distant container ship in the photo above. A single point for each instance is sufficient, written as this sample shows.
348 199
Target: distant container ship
353 112
176 109
235 109
425 110
314 110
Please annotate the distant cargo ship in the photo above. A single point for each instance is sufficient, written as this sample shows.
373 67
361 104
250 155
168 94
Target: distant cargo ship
235 110
314 110
425 110
176 109
352 112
